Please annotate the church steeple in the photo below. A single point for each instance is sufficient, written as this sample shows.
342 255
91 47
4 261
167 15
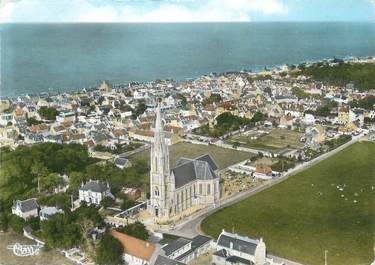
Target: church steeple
159 174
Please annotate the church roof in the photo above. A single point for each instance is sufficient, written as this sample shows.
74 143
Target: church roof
188 170
209 160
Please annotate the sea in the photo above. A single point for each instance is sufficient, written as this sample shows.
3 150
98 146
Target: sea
37 58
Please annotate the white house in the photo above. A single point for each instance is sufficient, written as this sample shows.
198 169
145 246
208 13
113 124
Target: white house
185 250
26 209
235 249
136 251
47 212
94 192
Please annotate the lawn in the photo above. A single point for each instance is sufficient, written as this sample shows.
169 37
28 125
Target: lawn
329 206
223 157
275 140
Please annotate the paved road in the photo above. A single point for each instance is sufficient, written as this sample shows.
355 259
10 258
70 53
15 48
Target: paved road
191 226
135 151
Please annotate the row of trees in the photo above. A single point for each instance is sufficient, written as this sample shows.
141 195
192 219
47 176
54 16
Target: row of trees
26 170
227 122
361 75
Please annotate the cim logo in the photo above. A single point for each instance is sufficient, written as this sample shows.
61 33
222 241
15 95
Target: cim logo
25 250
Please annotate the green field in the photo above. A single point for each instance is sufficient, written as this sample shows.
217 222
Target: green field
306 214
223 157
277 139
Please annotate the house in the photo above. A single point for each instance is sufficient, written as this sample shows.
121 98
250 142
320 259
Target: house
122 162
286 121
94 192
47 212
185 250
136 251
66 117
343 115
132 193
315 135
26 209
240 250
357 116
263 172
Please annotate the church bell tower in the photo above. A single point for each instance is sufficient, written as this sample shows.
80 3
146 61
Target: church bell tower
159 173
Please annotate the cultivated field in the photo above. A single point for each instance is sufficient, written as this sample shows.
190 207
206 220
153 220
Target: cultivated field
275 140
223 157
329 206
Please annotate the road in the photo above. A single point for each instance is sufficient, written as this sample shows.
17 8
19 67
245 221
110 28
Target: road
135 151
191 226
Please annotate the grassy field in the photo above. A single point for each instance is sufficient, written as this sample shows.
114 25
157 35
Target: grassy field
223 157
275 140
329 206
44 257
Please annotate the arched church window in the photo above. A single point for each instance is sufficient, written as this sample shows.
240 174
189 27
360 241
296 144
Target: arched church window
156 191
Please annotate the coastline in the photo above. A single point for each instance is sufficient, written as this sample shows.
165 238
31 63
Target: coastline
346 59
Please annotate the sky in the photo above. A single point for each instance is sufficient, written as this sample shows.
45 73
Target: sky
49 11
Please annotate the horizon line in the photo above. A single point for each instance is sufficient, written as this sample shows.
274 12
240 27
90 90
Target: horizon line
190 22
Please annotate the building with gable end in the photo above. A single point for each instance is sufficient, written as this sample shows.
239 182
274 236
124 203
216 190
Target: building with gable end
192 184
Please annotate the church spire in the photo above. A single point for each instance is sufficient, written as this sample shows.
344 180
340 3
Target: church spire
158 122
159 173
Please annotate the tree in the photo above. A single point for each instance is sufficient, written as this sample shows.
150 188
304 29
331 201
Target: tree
89 212
107 202
33 121
39 171
236 144
59 231
258 116
33 222
48 113
136 229
214 98
4 222
109 251
182 99
139 110
16 223
50 181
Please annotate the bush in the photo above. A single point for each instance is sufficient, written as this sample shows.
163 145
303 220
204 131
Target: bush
48 113
16 223
4 222
34 223
109 251
60 231
107 202
136 229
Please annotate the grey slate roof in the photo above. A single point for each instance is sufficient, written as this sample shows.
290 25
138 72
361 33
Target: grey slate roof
120 161
161 260
196 243
221 253
175 245
209 160
95 186
188 170
241 244
27 205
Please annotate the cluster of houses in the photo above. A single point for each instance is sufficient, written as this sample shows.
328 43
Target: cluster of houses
109 115
228 249
115 115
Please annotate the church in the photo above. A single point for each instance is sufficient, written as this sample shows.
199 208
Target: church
191 184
